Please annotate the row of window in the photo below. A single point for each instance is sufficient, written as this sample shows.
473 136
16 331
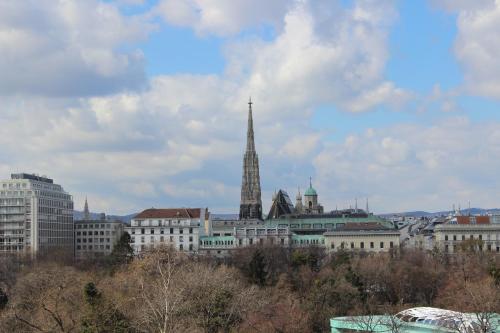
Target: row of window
93 226
162 231
479 237
159 223
344 245
89 240
90 247
85 233
162 239
181 247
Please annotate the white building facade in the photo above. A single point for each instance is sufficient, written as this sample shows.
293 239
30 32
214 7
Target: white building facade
484 237
36 215
177 227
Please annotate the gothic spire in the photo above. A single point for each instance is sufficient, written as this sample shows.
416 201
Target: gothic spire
86 212
250 135
251 204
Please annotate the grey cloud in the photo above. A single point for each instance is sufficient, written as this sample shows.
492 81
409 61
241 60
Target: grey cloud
69 48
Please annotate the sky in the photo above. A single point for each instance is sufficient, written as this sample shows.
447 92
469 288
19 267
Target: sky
143 103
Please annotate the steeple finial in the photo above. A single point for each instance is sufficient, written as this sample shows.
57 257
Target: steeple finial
310 182
367 209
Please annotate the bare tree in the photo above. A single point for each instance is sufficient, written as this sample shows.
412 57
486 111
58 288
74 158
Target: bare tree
49 299
158 281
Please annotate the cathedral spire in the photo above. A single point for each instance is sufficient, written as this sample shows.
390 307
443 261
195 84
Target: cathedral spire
250 135
251 204
86 212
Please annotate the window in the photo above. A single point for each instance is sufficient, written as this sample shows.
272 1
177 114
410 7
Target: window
446 248
171 239
162 231
381 245
250 241
352 245
190 247
152 239
142 239
332 245
372 245
240 241
190 230
181 238
181 247
282 241
152 231
171 230
190 238
463 237
362 245
454 237
181 231
446 237
480 237
391 245
162 239
143 231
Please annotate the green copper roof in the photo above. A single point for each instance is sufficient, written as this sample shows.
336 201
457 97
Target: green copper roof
310 192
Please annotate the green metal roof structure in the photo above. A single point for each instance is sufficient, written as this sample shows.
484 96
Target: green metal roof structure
419 320
310 192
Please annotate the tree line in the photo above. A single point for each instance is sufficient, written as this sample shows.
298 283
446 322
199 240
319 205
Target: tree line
255 289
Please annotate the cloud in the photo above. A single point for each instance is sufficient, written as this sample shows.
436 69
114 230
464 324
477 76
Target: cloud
69 48
180 139
325 54
222 17
476 47
414 167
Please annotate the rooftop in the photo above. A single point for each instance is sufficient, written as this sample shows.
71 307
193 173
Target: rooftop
31 177
169 213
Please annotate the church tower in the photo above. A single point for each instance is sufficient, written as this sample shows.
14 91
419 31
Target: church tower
251 204
86 212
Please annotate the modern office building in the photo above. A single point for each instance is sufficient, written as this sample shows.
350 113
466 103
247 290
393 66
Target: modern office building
176 227
36 215
96 237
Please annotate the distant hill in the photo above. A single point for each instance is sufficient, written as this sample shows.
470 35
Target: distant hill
78 215
225 216
472 211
